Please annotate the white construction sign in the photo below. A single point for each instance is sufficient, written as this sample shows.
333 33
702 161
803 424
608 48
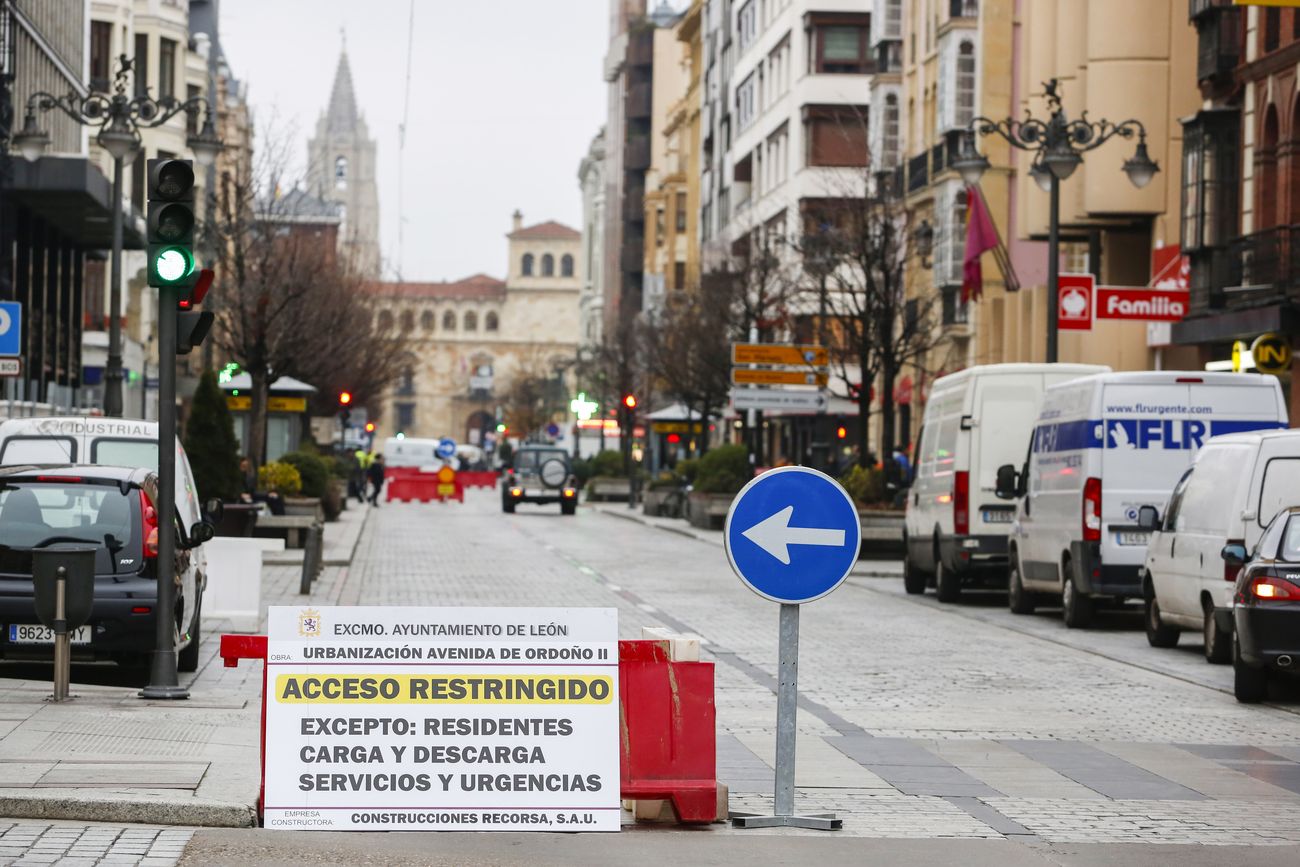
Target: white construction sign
779 399
466 719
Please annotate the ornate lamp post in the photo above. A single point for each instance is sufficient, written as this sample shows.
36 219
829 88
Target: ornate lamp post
119 119
1058 145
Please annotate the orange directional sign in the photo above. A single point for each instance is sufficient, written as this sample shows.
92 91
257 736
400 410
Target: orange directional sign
746 376
779 353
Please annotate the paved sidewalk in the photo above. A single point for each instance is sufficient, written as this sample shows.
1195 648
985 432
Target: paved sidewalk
108 755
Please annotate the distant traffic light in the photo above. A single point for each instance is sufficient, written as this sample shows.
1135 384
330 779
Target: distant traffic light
501 428
345 401
841 432
170 222
192 326
629 400
345 398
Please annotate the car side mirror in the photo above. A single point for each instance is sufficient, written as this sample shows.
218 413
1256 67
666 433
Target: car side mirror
1234 553
1008 483
214 510
200 532
1148 518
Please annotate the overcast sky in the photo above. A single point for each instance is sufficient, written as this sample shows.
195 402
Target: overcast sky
505 97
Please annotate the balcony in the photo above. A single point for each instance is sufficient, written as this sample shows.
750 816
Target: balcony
634 204
641 49
964 9
1262 268
918 172
632 257
1197 8
889 57
1218 45
954 311
640 101
636 154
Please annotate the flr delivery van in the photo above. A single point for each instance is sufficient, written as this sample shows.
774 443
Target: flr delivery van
1103 447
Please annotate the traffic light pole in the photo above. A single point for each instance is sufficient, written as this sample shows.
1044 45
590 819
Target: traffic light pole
164 682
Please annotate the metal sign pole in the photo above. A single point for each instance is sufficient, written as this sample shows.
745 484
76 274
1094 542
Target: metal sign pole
62 651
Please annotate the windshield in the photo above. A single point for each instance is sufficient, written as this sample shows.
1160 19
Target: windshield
531 459
39 514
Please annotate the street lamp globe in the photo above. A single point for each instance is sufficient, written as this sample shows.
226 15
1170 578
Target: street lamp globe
1141 168
206 145
1062 161
31 140
119 139
971 164
1041 176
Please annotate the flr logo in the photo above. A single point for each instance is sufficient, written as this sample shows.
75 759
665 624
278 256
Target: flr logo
309 623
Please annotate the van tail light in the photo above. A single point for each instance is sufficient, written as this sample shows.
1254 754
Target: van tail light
1267 588
1232 570
1092 510
961 503
150 526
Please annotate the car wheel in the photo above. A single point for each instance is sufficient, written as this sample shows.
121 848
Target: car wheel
188 659
1249 684
1019 600
1159 634
568 508
1218 646
1076 606
913 578
947 584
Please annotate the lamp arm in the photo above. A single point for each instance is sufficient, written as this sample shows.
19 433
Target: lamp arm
150 112
93 108
1026 135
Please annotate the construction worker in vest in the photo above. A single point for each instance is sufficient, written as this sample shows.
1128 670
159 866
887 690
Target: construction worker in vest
363 459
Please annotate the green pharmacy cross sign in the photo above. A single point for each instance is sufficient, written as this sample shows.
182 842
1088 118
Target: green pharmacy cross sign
582 407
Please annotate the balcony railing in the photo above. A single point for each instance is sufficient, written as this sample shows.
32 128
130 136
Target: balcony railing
640 102
1218 44
964 9
918 172
1262 268
889 57
636 155
954 311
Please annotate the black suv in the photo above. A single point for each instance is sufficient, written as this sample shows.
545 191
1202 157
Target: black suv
112 507
540 474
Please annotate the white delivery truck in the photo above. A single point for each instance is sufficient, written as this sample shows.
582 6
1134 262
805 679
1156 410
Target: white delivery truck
1228 496
975 420
1104 447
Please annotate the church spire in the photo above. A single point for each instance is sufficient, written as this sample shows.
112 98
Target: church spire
342 113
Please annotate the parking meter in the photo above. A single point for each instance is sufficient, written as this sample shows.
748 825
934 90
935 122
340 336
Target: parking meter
64 583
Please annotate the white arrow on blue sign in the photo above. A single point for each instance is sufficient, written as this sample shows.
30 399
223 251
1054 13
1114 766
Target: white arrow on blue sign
446 448
11 328
792 535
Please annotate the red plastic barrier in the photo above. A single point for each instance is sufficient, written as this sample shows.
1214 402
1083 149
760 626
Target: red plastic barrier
424 488
667 725
478 478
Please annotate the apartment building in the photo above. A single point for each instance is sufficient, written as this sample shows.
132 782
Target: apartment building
666 200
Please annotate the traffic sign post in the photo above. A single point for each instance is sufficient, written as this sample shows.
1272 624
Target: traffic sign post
11 328
446 448
792 536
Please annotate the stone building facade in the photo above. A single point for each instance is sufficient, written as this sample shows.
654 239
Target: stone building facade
468 339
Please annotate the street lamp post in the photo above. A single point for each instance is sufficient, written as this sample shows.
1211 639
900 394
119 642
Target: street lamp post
1058 145
119 119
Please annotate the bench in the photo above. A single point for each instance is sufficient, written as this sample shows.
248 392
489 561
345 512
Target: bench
292 528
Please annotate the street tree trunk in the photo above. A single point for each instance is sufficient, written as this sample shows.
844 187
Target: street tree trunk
257 415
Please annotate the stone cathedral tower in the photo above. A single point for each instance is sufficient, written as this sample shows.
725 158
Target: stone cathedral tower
341 168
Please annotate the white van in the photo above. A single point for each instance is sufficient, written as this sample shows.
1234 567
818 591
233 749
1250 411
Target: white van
1228 496
1104 447
975 420
411 452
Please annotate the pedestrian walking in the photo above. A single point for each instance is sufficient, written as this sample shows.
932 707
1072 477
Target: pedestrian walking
375 473
360 473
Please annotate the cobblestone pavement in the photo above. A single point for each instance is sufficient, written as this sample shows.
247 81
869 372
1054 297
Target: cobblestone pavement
914 721
70 845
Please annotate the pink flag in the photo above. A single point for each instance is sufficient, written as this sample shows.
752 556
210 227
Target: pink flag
981 236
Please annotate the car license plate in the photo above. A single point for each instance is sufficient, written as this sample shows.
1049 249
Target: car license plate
1128 538
21 633
534 492
998 516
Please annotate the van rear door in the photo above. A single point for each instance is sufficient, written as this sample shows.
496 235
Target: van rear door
1005 410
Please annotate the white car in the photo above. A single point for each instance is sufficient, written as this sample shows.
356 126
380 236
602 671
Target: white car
975 420
1104 447
1229 495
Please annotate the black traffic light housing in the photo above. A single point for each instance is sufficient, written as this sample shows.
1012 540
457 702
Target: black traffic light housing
170 222
192 326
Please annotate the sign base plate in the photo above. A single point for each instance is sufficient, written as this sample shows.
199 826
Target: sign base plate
817 821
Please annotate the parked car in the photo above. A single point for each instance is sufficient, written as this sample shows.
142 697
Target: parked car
540 474
1228 496
113 508
1266 613
1104 447
955 531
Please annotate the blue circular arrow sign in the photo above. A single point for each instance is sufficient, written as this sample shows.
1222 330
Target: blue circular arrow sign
446 448
792 535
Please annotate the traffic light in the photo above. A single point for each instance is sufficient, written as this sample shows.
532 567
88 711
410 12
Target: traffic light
629 401
192 326
345 401
370 427
170 222
345 398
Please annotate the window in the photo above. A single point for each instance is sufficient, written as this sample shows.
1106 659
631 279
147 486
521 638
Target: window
548 265
141 65
490 322
101 50
408 321
889 145
679 275
679 207
1209 210
747 25
427 320
1272 28
526 267
385 320
893 19
745 107
449 321
566 265
406 382
1277 491
965 85
471 321
1176 502
166 67
340 172
835 136
405 415
192 117
840 48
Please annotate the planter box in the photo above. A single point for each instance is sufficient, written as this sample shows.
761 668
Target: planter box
309 506
708 511
605 489
882 534
662 503
238 519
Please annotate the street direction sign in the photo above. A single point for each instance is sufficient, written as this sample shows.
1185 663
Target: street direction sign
11 329
779 399
792 535
748 376
446 448
779 353
11 367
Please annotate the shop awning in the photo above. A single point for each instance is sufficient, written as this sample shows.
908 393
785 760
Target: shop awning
73 196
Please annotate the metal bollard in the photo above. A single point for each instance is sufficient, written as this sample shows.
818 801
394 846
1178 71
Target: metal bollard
312 556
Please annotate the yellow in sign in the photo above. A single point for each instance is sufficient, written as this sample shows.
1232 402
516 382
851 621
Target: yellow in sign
1272 353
